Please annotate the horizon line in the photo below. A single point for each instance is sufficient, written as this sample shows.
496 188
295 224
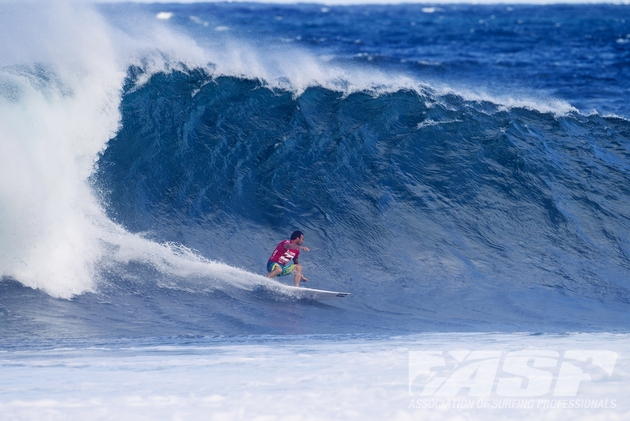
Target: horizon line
382 2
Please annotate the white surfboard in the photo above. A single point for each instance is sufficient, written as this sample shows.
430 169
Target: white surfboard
303 293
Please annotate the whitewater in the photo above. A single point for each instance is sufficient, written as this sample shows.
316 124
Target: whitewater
461 170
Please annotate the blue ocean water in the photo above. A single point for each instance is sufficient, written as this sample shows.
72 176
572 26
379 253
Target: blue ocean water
454 167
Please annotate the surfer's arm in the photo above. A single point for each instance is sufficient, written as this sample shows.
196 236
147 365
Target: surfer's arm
294 246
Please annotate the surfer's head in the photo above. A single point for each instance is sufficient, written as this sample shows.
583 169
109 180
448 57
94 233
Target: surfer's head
297 235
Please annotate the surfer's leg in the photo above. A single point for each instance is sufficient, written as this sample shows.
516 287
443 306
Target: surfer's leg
298 275
277 269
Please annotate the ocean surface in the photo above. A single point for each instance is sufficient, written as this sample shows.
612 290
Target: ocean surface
462 170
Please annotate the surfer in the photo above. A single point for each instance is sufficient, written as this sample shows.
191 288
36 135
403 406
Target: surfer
280 261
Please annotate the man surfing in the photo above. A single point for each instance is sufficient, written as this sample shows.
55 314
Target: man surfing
280 261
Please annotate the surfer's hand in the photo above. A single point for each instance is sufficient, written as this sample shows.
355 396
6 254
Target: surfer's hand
304 248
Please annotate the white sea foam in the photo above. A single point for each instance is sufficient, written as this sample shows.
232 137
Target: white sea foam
60 82
61 114
307 378
164 15
542 104
294 69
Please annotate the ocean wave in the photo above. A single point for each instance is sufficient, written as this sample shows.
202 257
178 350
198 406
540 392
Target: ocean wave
152 163
200 155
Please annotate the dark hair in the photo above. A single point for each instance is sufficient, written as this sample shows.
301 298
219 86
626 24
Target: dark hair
296 235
